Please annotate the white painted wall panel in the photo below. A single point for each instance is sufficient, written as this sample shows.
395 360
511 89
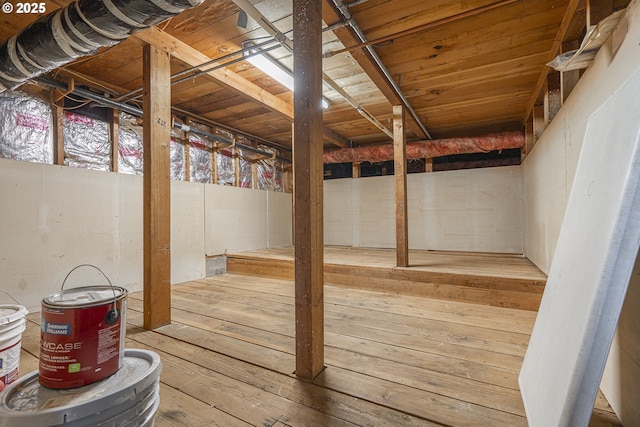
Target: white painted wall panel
236 219
338 215
280 219
374 212
54 218
467 210
187 231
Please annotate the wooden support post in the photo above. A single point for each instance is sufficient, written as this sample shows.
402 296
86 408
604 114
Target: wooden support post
157 185
254 175
400 172
308 175
115 144
58 133
236 163
428 164
355 170
553 97
529 136
214 163
539 123
273 176
187 153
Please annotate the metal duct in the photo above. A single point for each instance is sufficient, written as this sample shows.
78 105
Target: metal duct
428 148
77 30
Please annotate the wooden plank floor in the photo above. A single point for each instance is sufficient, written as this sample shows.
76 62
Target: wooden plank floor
502 280
474 263
391 360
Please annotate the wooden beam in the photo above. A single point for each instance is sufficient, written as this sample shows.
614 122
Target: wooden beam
214 163
236 163
335 137
355 170
539 123
115 141
308 175
529 136
369 66
187 153
157 185
553 95
553 52
222 76
58 134
428 164
254 175
400 172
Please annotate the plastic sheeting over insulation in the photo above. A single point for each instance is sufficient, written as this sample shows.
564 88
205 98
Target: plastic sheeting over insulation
178 168
129 145
86 142
200 162
25 128
26 134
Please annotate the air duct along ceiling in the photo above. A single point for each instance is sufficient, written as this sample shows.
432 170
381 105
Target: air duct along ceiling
77 30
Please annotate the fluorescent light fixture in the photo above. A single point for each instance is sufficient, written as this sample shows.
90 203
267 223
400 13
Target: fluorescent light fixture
272 68
269 67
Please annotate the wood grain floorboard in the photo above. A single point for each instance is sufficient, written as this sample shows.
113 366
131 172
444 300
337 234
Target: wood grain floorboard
390 359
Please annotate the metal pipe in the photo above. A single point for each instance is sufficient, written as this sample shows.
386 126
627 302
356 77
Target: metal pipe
204 120
356 2
348 18
98 99
251 10
202 69
209 135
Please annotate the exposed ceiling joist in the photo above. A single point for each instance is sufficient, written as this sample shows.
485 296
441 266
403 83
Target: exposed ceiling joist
223 76
335 137
554 51
331 17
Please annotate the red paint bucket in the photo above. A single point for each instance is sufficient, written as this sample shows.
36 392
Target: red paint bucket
82 335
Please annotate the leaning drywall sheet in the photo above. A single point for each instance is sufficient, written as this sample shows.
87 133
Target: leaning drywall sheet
590 271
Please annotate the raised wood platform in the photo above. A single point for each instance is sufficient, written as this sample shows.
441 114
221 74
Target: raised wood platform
391 359
501 280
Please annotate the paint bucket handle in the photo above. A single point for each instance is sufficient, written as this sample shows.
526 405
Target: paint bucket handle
10 296
113 315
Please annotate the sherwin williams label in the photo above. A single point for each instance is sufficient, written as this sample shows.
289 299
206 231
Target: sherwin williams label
56 329
80 345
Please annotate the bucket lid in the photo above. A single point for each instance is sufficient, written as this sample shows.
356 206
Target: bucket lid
85 296
25 403
9 313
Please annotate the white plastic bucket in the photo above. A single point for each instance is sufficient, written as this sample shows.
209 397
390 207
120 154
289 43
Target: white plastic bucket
12 324
128 398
